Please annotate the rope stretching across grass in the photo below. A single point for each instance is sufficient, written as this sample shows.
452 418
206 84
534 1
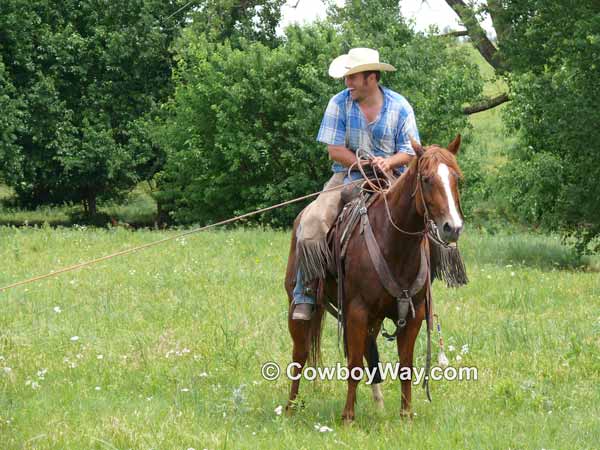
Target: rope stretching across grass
161 241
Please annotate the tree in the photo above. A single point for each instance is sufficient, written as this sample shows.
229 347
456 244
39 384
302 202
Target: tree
79 74
240 129
549 53
251 20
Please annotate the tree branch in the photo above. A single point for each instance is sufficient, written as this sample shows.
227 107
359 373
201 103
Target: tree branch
455 33
486 104
478 36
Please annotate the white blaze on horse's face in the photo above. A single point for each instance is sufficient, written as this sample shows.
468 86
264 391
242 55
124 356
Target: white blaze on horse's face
444 173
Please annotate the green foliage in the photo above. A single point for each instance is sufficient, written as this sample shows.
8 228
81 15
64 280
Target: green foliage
241 127
79 75
240 130
253 20
552 181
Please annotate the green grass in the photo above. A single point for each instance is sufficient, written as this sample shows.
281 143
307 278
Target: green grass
184 328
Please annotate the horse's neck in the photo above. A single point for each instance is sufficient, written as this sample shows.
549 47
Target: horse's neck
400 250
402 205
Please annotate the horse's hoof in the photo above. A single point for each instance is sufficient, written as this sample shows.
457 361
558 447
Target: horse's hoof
406 415
347 419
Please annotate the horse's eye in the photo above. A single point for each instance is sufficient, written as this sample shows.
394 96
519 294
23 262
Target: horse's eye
426 180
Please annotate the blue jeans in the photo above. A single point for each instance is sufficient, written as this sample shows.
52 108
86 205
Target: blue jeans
299 295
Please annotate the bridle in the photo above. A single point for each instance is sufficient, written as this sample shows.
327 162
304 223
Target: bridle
382 186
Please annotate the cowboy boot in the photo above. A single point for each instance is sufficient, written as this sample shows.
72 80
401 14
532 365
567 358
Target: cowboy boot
302 311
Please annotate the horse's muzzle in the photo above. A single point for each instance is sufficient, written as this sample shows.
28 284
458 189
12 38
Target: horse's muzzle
450 232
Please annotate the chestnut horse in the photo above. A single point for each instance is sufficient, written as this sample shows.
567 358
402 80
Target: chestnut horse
427 190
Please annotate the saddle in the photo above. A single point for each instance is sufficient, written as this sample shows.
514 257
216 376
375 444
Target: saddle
354 213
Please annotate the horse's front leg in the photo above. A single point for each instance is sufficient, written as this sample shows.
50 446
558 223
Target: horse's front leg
356 336
406 344
300 332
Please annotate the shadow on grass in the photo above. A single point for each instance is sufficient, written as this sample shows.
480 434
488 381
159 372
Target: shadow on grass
541 251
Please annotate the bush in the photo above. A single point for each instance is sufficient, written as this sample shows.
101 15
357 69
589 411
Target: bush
240 130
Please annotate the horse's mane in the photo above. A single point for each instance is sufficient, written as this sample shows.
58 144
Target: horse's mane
435 155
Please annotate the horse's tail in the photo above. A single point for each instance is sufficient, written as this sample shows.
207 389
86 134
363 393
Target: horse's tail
373 358
316 329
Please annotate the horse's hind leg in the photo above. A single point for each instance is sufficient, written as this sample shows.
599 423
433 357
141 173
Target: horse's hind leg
356 335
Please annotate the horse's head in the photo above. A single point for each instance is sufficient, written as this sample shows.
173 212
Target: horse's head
438 196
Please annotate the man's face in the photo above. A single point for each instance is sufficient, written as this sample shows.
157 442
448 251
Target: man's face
359 85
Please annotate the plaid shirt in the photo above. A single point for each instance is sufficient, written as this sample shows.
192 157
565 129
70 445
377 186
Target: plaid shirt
344 124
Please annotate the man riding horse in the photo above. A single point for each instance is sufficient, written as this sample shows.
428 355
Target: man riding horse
365 116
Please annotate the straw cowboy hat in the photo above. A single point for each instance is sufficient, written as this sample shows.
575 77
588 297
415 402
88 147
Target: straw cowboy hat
357 60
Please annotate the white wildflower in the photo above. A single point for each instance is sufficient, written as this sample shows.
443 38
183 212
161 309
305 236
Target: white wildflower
203 374
42 373
464 349
279 410
7 370
451 348
34 384
74 338
443 360
512 274
185 390
458 358
99 356
57 309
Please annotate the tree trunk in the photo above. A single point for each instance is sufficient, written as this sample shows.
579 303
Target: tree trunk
91 202
478 36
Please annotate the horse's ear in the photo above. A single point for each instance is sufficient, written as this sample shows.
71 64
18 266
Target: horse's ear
419 150
454 145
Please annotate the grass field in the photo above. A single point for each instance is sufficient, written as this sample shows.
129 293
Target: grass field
163 349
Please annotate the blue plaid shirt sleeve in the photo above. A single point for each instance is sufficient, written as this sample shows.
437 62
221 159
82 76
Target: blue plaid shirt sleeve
405 132
333 125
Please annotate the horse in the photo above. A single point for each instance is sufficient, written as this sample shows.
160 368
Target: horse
427 192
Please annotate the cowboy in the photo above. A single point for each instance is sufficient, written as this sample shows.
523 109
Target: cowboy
365 116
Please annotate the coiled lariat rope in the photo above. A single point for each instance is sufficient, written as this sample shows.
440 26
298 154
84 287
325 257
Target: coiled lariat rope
161 241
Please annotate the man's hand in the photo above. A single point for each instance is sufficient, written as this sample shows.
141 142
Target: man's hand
382 164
